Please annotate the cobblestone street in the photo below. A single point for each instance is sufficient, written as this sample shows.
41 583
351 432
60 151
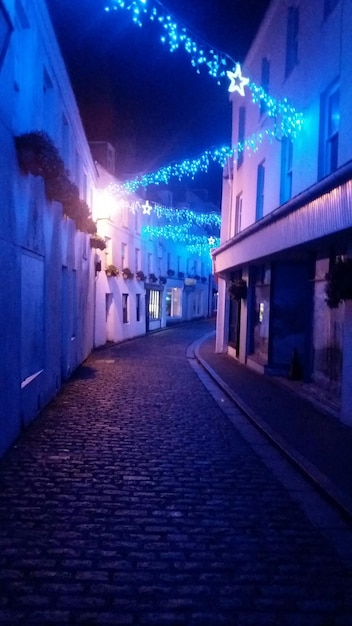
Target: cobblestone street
133 500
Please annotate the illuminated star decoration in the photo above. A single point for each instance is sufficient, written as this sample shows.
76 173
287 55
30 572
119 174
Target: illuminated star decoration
146 208
211 241
237 81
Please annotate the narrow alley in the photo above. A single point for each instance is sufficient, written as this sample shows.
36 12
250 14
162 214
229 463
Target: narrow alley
133 500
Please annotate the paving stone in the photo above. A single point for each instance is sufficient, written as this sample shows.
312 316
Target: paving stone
133 499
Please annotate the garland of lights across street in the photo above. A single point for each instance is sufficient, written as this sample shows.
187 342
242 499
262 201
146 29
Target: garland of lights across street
221 67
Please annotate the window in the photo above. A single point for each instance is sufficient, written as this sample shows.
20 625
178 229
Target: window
123 255
138 307
238 213
259 210
137 259
136 222
174 302
265 82
329 6
292 39
125 308
150 263
5 32
329 131
286 169
154 304
241 135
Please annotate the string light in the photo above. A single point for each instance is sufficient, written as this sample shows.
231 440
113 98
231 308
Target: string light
181 234
287 121
218 64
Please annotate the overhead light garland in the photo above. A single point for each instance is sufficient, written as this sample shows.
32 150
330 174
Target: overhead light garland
287 121
189 168
181 234
218 64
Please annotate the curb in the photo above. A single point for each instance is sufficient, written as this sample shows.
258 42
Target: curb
335 496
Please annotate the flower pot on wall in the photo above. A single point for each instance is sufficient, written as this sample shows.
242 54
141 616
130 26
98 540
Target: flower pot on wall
127 274
339 283
238 289
140 275
38 155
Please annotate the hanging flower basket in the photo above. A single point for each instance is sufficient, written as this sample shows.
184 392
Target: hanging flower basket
97 242
339 283
111 270
38 155
171 273
162 280
61 189
127 274
140 275
152 278
238 289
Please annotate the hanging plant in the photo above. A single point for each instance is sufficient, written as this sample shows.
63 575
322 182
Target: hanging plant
171 273
38 155
97 242
140 275
181 275
162 280
62 189
339 283
152 278
111 270
238 289
127 274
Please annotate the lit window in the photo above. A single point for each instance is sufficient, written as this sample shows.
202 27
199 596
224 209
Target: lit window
154 304
174 302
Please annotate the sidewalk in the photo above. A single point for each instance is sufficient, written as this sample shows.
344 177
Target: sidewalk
316 442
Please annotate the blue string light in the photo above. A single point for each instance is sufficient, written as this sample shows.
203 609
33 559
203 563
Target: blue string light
287 121
218 64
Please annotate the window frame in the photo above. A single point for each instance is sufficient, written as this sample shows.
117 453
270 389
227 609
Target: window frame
292 39
259 205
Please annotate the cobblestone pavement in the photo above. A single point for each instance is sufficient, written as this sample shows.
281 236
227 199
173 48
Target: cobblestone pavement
133 500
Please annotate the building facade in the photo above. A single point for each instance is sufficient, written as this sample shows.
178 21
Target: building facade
46 177
148 276
282 266
65 289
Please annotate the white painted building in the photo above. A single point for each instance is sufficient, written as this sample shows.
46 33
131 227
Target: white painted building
287 203
167 283
46 268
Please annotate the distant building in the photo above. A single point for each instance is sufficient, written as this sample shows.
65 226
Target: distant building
168 281
287 208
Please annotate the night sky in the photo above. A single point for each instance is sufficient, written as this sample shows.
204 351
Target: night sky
150 103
